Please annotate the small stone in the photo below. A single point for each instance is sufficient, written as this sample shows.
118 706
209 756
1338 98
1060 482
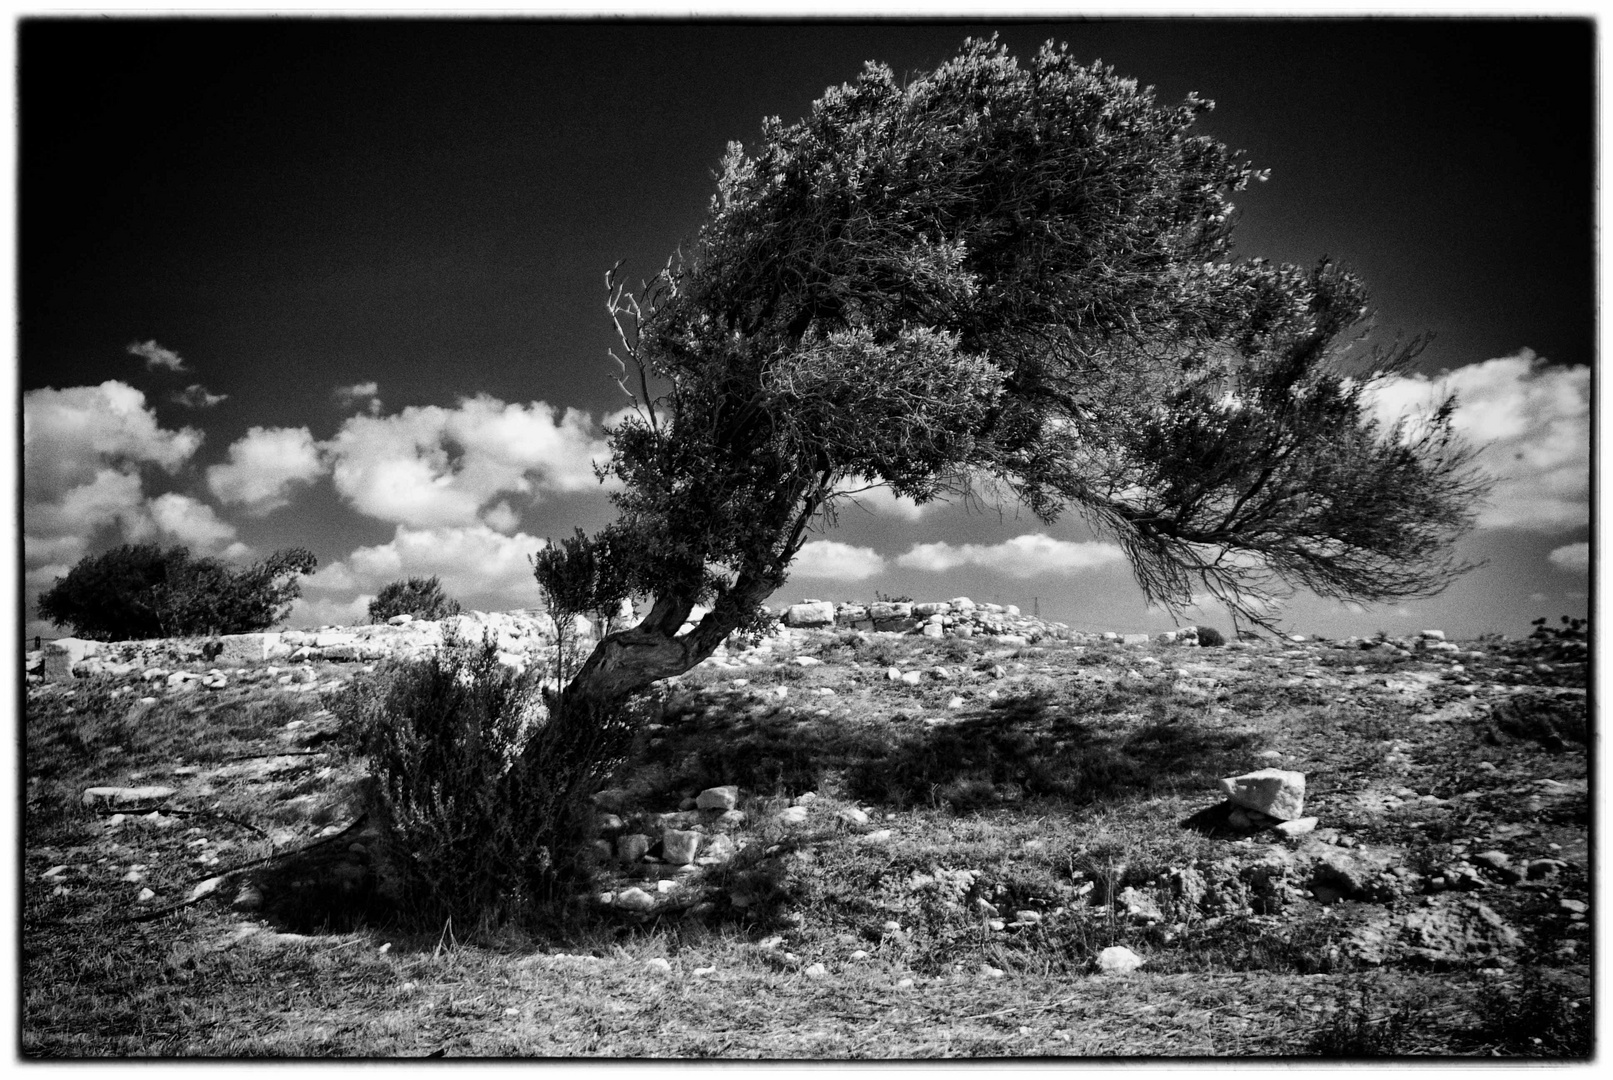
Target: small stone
721 798
634 899
145 895
860 954
1297 827
904 984
126 796
816 971
1578 907
955 703
912 678
679 846
891 926
804 798
632 847
793 815
660 965
1118 960
989 972
1028 916
878 836
854 816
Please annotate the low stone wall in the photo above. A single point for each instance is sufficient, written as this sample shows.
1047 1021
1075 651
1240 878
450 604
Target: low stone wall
959 617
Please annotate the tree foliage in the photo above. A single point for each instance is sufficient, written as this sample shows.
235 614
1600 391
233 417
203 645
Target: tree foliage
421 597
1015 277
139 591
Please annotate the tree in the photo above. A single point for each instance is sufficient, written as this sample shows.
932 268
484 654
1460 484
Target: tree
1012 278
139 591
418 596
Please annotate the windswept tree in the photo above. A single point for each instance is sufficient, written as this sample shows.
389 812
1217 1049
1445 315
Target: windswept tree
998 274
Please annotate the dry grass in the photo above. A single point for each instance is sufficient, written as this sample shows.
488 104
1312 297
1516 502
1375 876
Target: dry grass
1050 789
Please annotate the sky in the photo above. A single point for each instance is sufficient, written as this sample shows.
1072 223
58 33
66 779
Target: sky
340 284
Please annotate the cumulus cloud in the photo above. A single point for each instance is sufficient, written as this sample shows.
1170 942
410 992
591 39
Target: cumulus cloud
364 392
879 499
428 466
478 566
1021 557
264 466
156 356
832 559
1534 424
195 524
195 396
83 451
1575 557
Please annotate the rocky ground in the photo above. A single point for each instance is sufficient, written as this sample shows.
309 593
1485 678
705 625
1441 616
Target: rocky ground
964 795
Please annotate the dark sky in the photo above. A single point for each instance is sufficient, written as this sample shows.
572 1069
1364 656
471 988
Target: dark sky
293 205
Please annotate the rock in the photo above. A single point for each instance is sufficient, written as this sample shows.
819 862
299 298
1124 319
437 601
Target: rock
660 965
1118 960
815 971
933 630
1460 931
725 797
1432 635
912 678
792 815
400 620
1296 827
146 895
679 846
717 849
633 899
1188 886
62 654
1545 869
1277 792
1140 905
125 797
205 889
854 816
632 847
815 614
1134 639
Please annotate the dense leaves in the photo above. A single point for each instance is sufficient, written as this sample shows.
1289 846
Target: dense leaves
421 597
140 591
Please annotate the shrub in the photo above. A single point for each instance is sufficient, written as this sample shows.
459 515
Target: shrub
477 831
1209 637
141 591
421 597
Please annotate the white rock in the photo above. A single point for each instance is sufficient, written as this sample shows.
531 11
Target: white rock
1277 792
1296 827
725 797
793 815
125 796
679 846
806 661
1118 960
816 614
893 674
816 971
854 816
634 899
658 966
780 692
912 678
400 620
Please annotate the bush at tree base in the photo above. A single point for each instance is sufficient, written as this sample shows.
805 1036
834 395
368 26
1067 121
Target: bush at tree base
418 596
485 807
137 591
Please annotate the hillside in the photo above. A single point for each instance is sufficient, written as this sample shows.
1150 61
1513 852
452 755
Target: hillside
925 839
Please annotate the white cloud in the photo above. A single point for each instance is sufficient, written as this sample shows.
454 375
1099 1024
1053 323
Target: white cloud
479 567
264 466
430 466
832 559
83 451
1534 424
878 500
157 357
1574 557
195 524
196 397
1021 557
366 392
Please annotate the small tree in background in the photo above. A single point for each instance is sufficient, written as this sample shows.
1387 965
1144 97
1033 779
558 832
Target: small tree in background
137 591
418 596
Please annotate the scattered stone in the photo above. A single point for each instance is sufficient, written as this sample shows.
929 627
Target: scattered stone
989 972
679 846
632 847
854 816
793 815
660 965
1461 931
1279 793
805 615
816 971
1140 905
912 678
1296 827
146 895
633 899
1118 960
125 797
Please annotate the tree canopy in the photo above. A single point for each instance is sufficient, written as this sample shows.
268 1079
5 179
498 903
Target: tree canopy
1016 276
137 591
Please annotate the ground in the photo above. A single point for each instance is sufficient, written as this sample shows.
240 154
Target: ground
966 846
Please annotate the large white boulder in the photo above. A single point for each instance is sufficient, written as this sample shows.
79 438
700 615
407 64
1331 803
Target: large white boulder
821 613
1277 792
